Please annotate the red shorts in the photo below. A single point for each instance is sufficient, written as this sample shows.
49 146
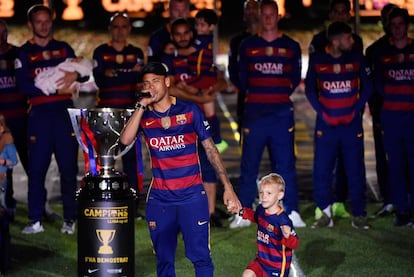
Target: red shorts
256 268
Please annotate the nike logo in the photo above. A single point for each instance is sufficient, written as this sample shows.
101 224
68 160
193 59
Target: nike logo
200 223
148 123
92 270
254 52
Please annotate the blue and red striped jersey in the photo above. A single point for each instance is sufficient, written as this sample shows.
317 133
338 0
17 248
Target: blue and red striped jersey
337 88
274 251
269 72
201 63
173 150
13 103
394 76
118 91
33 59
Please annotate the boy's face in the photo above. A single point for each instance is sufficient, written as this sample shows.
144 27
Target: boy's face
270 195
202 27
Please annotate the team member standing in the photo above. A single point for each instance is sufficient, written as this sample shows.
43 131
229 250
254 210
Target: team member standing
394 79
161 37
276 237
117 66
375 105
270 70
13 105
251 20
338 87
176 201
49 128
339 11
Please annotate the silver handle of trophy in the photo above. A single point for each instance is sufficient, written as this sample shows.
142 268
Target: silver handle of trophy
74 114
123 152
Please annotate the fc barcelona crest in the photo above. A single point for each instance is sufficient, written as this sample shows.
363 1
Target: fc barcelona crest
181 119
349 67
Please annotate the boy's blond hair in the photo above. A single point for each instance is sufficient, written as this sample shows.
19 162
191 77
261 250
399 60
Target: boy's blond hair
273 179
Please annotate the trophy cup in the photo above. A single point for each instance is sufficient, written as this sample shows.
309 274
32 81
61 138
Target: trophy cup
105 236
106 203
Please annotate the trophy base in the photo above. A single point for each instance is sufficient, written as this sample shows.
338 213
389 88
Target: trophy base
106 229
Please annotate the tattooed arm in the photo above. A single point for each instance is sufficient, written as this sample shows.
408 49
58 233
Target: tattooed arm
229 197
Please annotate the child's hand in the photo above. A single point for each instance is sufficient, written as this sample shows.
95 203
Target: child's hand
286 230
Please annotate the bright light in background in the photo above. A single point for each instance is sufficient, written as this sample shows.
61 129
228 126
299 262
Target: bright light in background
6 8
72 11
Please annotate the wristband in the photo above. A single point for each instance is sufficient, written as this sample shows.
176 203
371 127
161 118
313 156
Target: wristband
4 162
140 106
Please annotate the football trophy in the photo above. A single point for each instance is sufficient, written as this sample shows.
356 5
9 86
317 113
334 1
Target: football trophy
106 203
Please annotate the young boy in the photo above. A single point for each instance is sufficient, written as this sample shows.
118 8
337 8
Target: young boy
202 68
276 237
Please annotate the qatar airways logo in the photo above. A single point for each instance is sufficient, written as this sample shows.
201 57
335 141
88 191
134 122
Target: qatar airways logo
269 68
7 82
337 86
168 143
41 69
401 74
263 237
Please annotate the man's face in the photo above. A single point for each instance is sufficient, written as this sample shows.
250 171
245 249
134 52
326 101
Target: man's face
251 12
340 13
157 85
120 29
178 9
346 41
182 35
41 24
398 28
269 17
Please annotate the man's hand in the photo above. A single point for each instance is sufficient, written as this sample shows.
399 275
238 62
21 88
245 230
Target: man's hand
67 79
231 201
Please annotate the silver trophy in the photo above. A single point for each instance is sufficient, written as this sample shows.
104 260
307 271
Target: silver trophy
98 130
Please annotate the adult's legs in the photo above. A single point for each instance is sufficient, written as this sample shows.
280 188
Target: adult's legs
163 228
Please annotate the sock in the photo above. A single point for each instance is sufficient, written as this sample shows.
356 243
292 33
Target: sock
328 211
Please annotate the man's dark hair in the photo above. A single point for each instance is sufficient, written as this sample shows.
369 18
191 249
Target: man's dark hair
37 8
336 2
156 68
337 28
209 16
178 22
397 12
269 3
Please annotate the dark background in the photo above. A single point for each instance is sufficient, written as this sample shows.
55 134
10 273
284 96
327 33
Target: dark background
95 17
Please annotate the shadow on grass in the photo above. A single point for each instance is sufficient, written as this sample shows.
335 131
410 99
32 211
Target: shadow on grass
26 260
318 256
